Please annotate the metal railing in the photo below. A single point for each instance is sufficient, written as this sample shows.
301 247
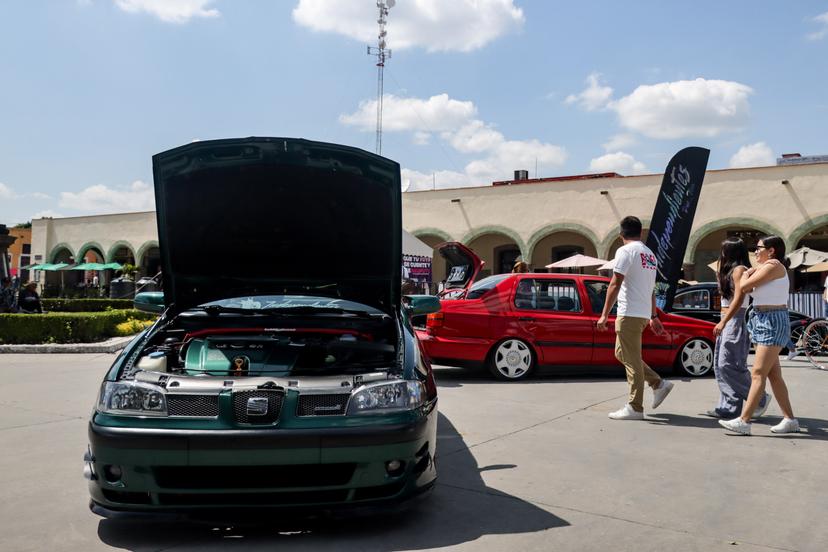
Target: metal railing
807 302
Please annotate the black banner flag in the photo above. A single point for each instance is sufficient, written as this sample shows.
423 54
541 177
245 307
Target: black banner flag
673 217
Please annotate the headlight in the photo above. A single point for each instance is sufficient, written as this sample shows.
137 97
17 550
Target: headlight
387 397
132 399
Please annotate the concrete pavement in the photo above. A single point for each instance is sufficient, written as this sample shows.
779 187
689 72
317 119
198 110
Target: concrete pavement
530 466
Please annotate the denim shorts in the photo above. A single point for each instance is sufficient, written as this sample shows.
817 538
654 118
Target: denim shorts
770 328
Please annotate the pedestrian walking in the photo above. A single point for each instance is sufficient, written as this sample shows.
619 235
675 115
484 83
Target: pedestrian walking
6 296
632 284
770 330
732 341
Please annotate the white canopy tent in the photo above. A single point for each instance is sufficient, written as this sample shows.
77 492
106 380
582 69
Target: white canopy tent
577 261
414 246
805 256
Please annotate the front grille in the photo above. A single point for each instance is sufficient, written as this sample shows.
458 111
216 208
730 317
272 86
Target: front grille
258 499
196 406
382 491
274 406
322 405
126 498
254 477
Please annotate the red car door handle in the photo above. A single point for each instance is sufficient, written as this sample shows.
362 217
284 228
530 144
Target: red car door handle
525 318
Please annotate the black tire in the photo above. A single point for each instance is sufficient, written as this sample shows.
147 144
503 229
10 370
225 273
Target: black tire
695 358
512 356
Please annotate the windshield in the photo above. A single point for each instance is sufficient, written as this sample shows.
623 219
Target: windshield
482 286
279 302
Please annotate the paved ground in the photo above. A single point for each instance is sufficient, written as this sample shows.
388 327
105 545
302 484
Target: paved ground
534 466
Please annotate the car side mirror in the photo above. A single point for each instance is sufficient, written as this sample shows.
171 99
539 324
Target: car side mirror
149 301
417 305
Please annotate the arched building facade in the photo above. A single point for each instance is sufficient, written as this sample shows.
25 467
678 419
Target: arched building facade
545 220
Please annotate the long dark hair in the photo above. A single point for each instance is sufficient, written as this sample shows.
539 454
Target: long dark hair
734 253
778 245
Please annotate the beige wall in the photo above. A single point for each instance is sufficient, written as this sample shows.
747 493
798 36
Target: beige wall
528 213
108 233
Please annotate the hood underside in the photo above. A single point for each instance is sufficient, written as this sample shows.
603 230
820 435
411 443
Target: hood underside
258 216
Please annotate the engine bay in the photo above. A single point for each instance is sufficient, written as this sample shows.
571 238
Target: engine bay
273 352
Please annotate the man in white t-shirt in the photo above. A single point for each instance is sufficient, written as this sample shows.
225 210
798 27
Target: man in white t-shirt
632 284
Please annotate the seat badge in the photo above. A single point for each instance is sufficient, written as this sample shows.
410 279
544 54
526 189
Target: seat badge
257 406
240 365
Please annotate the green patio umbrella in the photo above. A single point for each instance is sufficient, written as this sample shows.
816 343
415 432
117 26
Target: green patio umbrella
112 266
88 266
53 267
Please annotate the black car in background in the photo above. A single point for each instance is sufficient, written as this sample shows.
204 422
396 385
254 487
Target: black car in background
704 302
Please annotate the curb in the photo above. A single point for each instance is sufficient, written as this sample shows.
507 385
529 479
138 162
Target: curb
108 346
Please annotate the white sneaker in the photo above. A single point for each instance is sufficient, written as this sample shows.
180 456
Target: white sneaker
787 425
661 393
792 354
736 425
626 413
760 411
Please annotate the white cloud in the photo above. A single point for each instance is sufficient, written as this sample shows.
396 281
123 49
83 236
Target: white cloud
41 195
44 214
619 142
682 109
6 192
421 138
594 96
753 155
436 25
822 19
170 11
436 114
620 162
138 196
456 124
415 180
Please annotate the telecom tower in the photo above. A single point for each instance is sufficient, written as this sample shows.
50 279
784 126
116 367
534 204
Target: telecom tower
381 54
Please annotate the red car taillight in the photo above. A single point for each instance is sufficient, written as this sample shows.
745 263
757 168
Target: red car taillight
434 320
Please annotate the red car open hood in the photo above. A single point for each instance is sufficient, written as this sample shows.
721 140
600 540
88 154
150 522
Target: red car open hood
464 265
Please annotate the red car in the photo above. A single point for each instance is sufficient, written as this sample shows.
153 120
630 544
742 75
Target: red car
513 322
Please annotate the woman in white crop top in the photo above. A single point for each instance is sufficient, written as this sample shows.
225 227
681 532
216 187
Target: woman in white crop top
732 341
770 330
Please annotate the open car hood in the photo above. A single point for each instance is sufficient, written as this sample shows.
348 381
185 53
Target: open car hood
463 265
269 216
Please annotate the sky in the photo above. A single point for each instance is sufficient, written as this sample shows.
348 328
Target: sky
474 89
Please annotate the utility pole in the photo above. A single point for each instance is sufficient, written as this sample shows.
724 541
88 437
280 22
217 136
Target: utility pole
382 54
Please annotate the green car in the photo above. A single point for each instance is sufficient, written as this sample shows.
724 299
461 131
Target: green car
283 372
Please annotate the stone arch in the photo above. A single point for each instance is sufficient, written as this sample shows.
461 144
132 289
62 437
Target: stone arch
115 247
57 249
799 233
88 246
704 244
497 246
432 232
737 222
148 259
560 227
475 233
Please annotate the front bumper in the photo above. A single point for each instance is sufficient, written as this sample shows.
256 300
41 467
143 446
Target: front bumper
192 473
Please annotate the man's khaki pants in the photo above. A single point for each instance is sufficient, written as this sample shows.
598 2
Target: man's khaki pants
628 332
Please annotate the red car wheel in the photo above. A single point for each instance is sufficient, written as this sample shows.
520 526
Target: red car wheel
511 360
695 358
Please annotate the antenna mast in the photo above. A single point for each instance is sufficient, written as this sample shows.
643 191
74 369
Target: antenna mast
381 53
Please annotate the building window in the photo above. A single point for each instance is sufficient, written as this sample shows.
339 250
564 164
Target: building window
27 248
24 260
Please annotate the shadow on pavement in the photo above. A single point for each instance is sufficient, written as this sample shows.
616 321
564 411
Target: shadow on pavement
461 509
